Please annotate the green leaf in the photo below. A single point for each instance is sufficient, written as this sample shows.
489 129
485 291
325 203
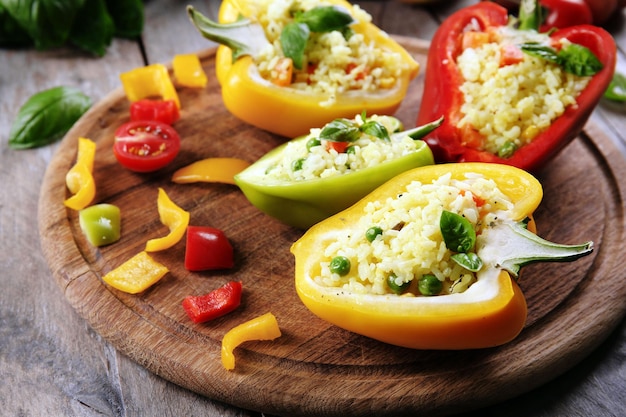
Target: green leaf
98 34
11 33
340 130
376 129
579 60
616 90
128 17
540 51
458 233
293 41
47 116
325 18
469 261
47 22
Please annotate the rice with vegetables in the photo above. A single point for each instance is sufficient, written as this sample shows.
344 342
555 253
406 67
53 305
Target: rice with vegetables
313 158
408 242
335 62
509 103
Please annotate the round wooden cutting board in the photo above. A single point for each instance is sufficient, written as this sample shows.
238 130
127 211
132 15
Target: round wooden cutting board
314 368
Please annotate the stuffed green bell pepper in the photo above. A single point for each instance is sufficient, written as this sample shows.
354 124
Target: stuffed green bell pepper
315 176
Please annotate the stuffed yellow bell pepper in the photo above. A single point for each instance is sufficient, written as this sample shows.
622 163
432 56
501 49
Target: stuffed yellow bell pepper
426 261
303 68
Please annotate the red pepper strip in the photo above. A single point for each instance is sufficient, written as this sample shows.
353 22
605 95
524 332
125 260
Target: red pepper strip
215 304
442 96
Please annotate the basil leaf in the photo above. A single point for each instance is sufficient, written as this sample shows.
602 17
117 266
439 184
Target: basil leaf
46 116
340 130
11 33
47 22
469 261
616 90
98 34
573 58
325 18
458 233
540 51
293 40
128 17
376 129
579 60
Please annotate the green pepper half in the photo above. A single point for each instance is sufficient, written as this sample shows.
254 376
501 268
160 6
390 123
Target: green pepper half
304 203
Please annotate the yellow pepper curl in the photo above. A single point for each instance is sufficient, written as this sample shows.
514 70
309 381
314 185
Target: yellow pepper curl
264 327
79 179
173 217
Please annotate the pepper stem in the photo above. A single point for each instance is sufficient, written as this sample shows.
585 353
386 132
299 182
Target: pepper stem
421 131
530 15
510 246
243 36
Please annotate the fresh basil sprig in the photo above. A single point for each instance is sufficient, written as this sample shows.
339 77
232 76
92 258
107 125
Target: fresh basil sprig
459 236
46 116
340 130
573 58
319 19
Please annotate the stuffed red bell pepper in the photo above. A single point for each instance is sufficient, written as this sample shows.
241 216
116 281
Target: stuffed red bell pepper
510 94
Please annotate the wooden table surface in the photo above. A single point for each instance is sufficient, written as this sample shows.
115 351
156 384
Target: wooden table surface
53 363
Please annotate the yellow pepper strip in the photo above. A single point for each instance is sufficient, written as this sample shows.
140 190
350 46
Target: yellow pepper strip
264 327
188 71
136 274
149 81
173 217
79 178
210 170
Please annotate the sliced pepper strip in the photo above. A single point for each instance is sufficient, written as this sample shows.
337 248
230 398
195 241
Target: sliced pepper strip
264 327
210 170
259 102
491 312
221 301
136 274
174 217
79 179
149 81
442 95
188 71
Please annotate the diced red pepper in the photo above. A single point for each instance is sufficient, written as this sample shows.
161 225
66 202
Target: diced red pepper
510 55
339 147
164 111
221 301
207 248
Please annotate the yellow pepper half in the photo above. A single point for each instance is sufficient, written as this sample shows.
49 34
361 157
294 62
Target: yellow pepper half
287 111
188 71
149 81
79 178
210 170
264 327
174 217
136 274
491 312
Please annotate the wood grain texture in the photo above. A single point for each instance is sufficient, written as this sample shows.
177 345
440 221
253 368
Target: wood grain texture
315 368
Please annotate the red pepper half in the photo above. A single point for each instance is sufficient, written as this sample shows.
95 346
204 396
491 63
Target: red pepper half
207 248
215 304
442 96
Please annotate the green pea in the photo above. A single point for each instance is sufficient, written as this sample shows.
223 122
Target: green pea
312 143
297 164
429 285
372 233
507 149
340 265
393 286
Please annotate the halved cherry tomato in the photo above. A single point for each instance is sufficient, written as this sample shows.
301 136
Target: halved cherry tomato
145 145
164 111
207 248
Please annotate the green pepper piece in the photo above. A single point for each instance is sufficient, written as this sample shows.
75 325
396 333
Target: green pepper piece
303 203
100 223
